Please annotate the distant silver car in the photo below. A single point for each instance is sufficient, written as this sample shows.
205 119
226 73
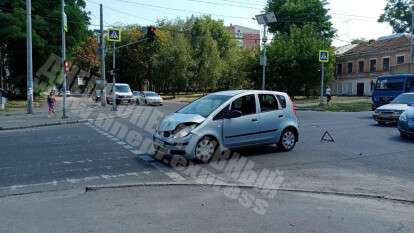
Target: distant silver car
391 112
406 123
150 98
228 120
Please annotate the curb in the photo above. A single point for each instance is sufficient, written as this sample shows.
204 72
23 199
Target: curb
303 191
60 123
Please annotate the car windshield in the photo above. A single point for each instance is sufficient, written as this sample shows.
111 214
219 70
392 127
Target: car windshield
122 88
390 84
135 93
404 99
205 105
151 94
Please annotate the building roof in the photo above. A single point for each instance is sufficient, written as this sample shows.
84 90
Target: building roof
343 49
383 44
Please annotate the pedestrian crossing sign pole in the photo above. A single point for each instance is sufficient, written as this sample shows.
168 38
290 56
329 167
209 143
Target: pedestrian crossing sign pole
323 58
114 35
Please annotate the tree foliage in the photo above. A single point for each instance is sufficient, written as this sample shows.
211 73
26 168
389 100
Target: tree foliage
301 13
46 30
398 14
293 61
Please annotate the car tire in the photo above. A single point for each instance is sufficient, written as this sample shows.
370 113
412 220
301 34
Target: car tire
287 140
404 135
205 149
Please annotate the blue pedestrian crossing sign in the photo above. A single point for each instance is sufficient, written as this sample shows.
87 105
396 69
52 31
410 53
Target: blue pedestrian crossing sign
323 56
114 35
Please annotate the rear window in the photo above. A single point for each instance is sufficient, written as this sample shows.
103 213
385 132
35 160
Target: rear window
268 103
390 84
282 101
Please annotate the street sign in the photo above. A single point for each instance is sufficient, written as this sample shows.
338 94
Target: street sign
114 35
324 56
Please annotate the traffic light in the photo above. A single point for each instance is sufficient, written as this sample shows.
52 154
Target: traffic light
66 66
151 33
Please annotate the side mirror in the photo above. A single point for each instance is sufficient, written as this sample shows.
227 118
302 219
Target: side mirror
234 114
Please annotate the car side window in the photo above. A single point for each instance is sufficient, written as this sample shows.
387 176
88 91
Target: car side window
222 114
268 103
282 101
246 105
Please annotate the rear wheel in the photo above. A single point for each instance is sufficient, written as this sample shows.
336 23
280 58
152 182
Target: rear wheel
287 140
403 135
205 149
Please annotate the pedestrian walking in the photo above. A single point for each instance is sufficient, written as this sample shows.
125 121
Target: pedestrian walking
51 102
328 94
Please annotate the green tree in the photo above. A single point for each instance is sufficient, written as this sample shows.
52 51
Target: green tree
293 61
398 14
301 13
46 27
172 64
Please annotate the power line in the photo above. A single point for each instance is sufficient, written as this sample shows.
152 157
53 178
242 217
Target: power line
226 4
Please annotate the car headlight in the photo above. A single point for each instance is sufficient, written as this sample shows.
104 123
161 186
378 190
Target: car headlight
376 111
398 112
183 130
403 117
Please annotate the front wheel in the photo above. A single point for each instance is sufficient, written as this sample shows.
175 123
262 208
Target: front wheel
287 140
205 149
403 135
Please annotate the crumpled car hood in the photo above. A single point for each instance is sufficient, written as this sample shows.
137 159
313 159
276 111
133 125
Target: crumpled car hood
172 121
401 107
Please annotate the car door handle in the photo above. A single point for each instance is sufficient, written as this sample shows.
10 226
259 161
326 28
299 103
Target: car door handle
280 116
255 120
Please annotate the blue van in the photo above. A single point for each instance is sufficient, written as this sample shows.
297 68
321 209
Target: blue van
390 86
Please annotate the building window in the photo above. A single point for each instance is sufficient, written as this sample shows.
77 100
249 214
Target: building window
373 65
386 64
361 66
339 69
350 67
339 88
400 60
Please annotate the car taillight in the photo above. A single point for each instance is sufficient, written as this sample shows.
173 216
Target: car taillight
294 109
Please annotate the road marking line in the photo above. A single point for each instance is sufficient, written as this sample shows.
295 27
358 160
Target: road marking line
128 147
121 143
136 152
146 158
175 176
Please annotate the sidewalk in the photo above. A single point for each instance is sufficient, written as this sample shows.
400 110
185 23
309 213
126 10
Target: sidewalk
79 110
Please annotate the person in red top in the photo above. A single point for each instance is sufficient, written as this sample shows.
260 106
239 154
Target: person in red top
51 102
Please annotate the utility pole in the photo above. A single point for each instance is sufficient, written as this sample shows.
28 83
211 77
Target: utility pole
29 57
63 58
264 57
411 39
113 78
102 49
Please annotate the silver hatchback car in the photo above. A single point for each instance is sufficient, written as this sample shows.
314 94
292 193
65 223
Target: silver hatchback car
228 120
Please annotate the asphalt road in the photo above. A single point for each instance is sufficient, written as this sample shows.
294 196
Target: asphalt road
365 161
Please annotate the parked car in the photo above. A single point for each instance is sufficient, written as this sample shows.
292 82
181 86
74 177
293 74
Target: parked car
61 92
137 96
406 123
228 120
391 112
150 98
123 93
387 88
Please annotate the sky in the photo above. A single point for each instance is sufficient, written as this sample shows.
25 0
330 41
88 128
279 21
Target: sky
352 18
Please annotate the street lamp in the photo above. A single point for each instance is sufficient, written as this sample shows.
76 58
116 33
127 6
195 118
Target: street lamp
265 20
